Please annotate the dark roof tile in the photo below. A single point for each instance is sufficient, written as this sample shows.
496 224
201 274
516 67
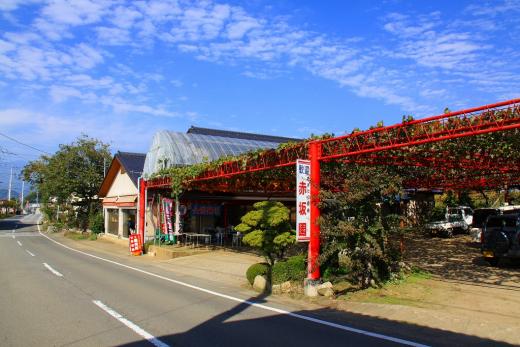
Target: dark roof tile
240 135
133 163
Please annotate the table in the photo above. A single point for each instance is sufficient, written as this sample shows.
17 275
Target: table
197 237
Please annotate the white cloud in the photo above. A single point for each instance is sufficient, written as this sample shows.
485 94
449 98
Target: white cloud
85 56
42 129
418 52
123 106
62 93
423 39
113 36
241 24
177 83
11 5
75 12
494 8
21 38
125 17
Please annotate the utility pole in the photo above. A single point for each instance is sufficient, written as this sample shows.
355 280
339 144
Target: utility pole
10 184
23 187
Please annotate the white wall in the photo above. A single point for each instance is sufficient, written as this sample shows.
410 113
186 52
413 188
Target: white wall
122 185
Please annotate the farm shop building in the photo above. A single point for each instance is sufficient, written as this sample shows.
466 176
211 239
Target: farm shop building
201 212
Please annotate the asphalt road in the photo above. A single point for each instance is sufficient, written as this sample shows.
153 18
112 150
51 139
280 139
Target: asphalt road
51 295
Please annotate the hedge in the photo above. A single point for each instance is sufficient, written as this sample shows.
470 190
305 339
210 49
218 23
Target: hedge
255 270
293 269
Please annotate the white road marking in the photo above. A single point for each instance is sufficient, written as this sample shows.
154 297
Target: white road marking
30 253
19 243
13 237
52 270
138 330
247 302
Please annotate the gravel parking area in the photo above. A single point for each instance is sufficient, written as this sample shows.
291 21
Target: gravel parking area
458 259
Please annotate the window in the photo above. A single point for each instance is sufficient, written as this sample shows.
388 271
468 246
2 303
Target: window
128 222
113 221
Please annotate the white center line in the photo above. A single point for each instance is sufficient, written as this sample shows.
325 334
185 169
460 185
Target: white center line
248 302
13 237
138 330
30 253
52 270
19 243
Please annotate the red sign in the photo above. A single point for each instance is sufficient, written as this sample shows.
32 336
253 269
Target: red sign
135 243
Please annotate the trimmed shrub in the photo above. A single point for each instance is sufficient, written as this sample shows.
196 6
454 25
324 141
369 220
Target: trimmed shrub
293 269
255 270
97 223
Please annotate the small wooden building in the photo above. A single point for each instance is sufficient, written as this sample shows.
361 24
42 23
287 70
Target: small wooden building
119 192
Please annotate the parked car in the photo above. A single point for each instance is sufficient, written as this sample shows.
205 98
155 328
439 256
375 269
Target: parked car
464 211
501 238
453 222
480 216
509 209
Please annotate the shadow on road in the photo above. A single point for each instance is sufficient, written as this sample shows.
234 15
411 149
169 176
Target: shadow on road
18 223
272 329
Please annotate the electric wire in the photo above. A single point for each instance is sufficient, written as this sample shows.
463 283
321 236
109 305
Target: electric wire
24 144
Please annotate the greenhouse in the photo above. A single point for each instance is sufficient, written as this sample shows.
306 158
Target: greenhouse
208 215
170 148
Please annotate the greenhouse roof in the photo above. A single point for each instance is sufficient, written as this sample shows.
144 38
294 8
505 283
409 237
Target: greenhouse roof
171 148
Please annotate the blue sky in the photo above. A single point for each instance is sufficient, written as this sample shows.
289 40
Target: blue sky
121 70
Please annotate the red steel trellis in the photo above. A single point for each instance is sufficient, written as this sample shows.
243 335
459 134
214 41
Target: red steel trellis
470 122
378 146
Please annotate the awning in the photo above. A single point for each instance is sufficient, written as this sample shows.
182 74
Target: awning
110 200
127 199
121 201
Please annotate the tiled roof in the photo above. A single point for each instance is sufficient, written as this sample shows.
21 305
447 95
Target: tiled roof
133 163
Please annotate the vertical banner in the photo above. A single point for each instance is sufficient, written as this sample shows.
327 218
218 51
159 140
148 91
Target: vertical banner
303 200
167 204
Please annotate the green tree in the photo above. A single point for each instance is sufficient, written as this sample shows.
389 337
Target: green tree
71 176
267 227
360 225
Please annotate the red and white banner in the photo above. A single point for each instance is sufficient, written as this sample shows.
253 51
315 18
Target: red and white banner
303 200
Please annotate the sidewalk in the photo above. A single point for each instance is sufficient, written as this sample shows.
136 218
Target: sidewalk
222 266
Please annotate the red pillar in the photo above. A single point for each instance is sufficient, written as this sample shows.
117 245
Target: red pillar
314 244
142 206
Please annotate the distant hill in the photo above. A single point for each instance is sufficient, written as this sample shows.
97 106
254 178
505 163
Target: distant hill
4 193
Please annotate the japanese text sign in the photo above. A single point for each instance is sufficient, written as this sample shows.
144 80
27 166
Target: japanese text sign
303 200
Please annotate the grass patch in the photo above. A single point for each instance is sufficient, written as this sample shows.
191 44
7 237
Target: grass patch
77 236
412 289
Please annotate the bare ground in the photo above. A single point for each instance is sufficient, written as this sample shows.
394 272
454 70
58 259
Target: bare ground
463 293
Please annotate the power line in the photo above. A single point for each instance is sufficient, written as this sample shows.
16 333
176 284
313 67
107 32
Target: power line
8 152
24 144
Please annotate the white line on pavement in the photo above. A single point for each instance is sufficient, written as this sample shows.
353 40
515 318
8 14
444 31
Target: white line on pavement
19 243
251 303
52 270
30 253
138 330
14 237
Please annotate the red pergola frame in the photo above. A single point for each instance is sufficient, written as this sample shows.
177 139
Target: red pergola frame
370 147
